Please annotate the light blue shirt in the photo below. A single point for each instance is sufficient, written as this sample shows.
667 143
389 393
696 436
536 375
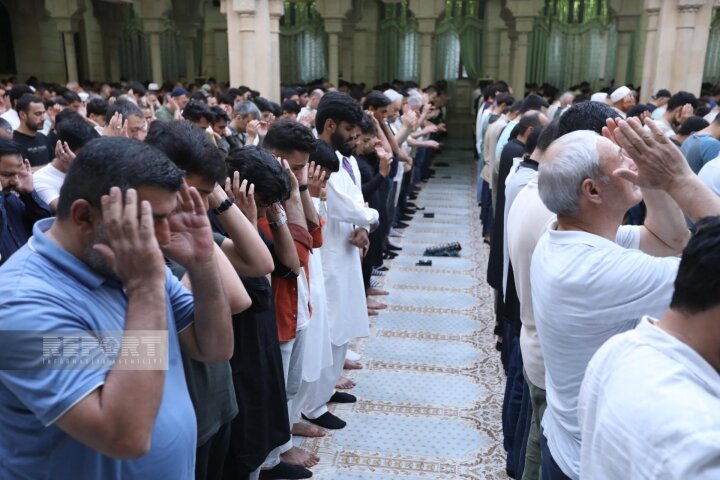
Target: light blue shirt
45 290
504 138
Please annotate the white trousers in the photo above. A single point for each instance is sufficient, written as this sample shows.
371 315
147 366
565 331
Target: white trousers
313 396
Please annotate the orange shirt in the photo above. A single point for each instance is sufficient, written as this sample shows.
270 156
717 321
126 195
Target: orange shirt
285 289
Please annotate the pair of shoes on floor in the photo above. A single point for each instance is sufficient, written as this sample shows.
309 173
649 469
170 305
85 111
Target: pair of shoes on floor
393 248
376 272
451 249
424 263
375 283
389 255
401 225
395 233
327 420
285 470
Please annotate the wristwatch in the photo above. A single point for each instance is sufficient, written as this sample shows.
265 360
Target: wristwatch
302 188
224 206
282 221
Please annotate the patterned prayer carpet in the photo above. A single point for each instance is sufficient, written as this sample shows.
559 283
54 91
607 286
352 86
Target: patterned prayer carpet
430 395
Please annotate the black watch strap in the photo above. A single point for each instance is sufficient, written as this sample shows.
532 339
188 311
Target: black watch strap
302 188
224 206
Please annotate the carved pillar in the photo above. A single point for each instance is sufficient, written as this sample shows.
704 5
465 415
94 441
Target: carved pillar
426 26
625 27
523 27
67 28
652 20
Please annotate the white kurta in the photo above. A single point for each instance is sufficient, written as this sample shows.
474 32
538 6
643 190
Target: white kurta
318 352
347 307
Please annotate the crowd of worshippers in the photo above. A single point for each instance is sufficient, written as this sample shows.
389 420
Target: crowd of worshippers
268 227
604 255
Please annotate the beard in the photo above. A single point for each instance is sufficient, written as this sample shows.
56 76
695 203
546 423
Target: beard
341 144
95 259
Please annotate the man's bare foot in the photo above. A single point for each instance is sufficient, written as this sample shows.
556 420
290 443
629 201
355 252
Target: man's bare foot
307 430
298 456
352 365
344 383
375 305
377 291
372 313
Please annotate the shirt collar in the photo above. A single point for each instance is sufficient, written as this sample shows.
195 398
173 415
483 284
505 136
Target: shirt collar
40 243
681 352
569 237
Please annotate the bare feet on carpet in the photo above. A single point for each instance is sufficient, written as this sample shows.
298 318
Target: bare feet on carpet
372 313
298 456
375 305
344 383
377 291
307 430
352 365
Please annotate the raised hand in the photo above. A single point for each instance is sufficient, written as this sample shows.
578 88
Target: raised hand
659 162
262 126
244 195
252 128
386 160
316 181
409 119
191 238
294 185
276 212
25 178
116 127
130 247
217 197
63 153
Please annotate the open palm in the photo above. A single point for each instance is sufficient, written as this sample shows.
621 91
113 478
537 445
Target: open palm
191 238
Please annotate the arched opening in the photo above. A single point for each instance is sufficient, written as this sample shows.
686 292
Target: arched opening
7 52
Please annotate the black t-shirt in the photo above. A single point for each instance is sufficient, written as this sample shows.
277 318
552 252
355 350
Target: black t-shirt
35 149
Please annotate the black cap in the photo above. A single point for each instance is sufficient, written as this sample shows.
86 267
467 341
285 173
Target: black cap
662 93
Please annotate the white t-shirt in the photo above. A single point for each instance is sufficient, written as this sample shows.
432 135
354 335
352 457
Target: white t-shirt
585 289
710 175
12 118
47 182
649 408
665 127
303 296
528 219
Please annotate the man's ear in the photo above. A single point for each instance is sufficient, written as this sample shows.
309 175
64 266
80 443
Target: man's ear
84 216
330 125
589 191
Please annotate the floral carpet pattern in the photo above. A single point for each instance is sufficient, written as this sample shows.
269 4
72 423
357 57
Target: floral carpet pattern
430 394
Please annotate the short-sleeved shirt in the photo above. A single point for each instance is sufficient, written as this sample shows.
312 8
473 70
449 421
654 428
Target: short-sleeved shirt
699 150
47 182
45 290
585 289
35 149
648 409
710 175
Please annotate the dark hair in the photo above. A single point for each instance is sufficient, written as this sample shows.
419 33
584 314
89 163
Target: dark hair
226 99
288 92
51 102
258 166
115 162
515 107
196 110
8 147
586 116
339 107
532 140
97 106
325 156
637 110
71 97
548 135
199 96
137 88
276 109
375 99
533 102
504 98
701 110
692 125
367 124
263 104
126 109
23 104
72 128
188 147
17 92
526 121
220 114
680 99
286 136
697 285
290 106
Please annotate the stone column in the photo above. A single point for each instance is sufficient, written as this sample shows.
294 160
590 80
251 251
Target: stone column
523 27
625 27
241 42
333 27
276 9
187 40
67 27
652 20
426 26
691 38
503 71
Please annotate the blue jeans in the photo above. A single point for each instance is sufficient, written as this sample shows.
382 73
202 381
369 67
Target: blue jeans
549 469
516 406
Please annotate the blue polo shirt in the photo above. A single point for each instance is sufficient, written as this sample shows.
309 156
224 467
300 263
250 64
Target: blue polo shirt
45 289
